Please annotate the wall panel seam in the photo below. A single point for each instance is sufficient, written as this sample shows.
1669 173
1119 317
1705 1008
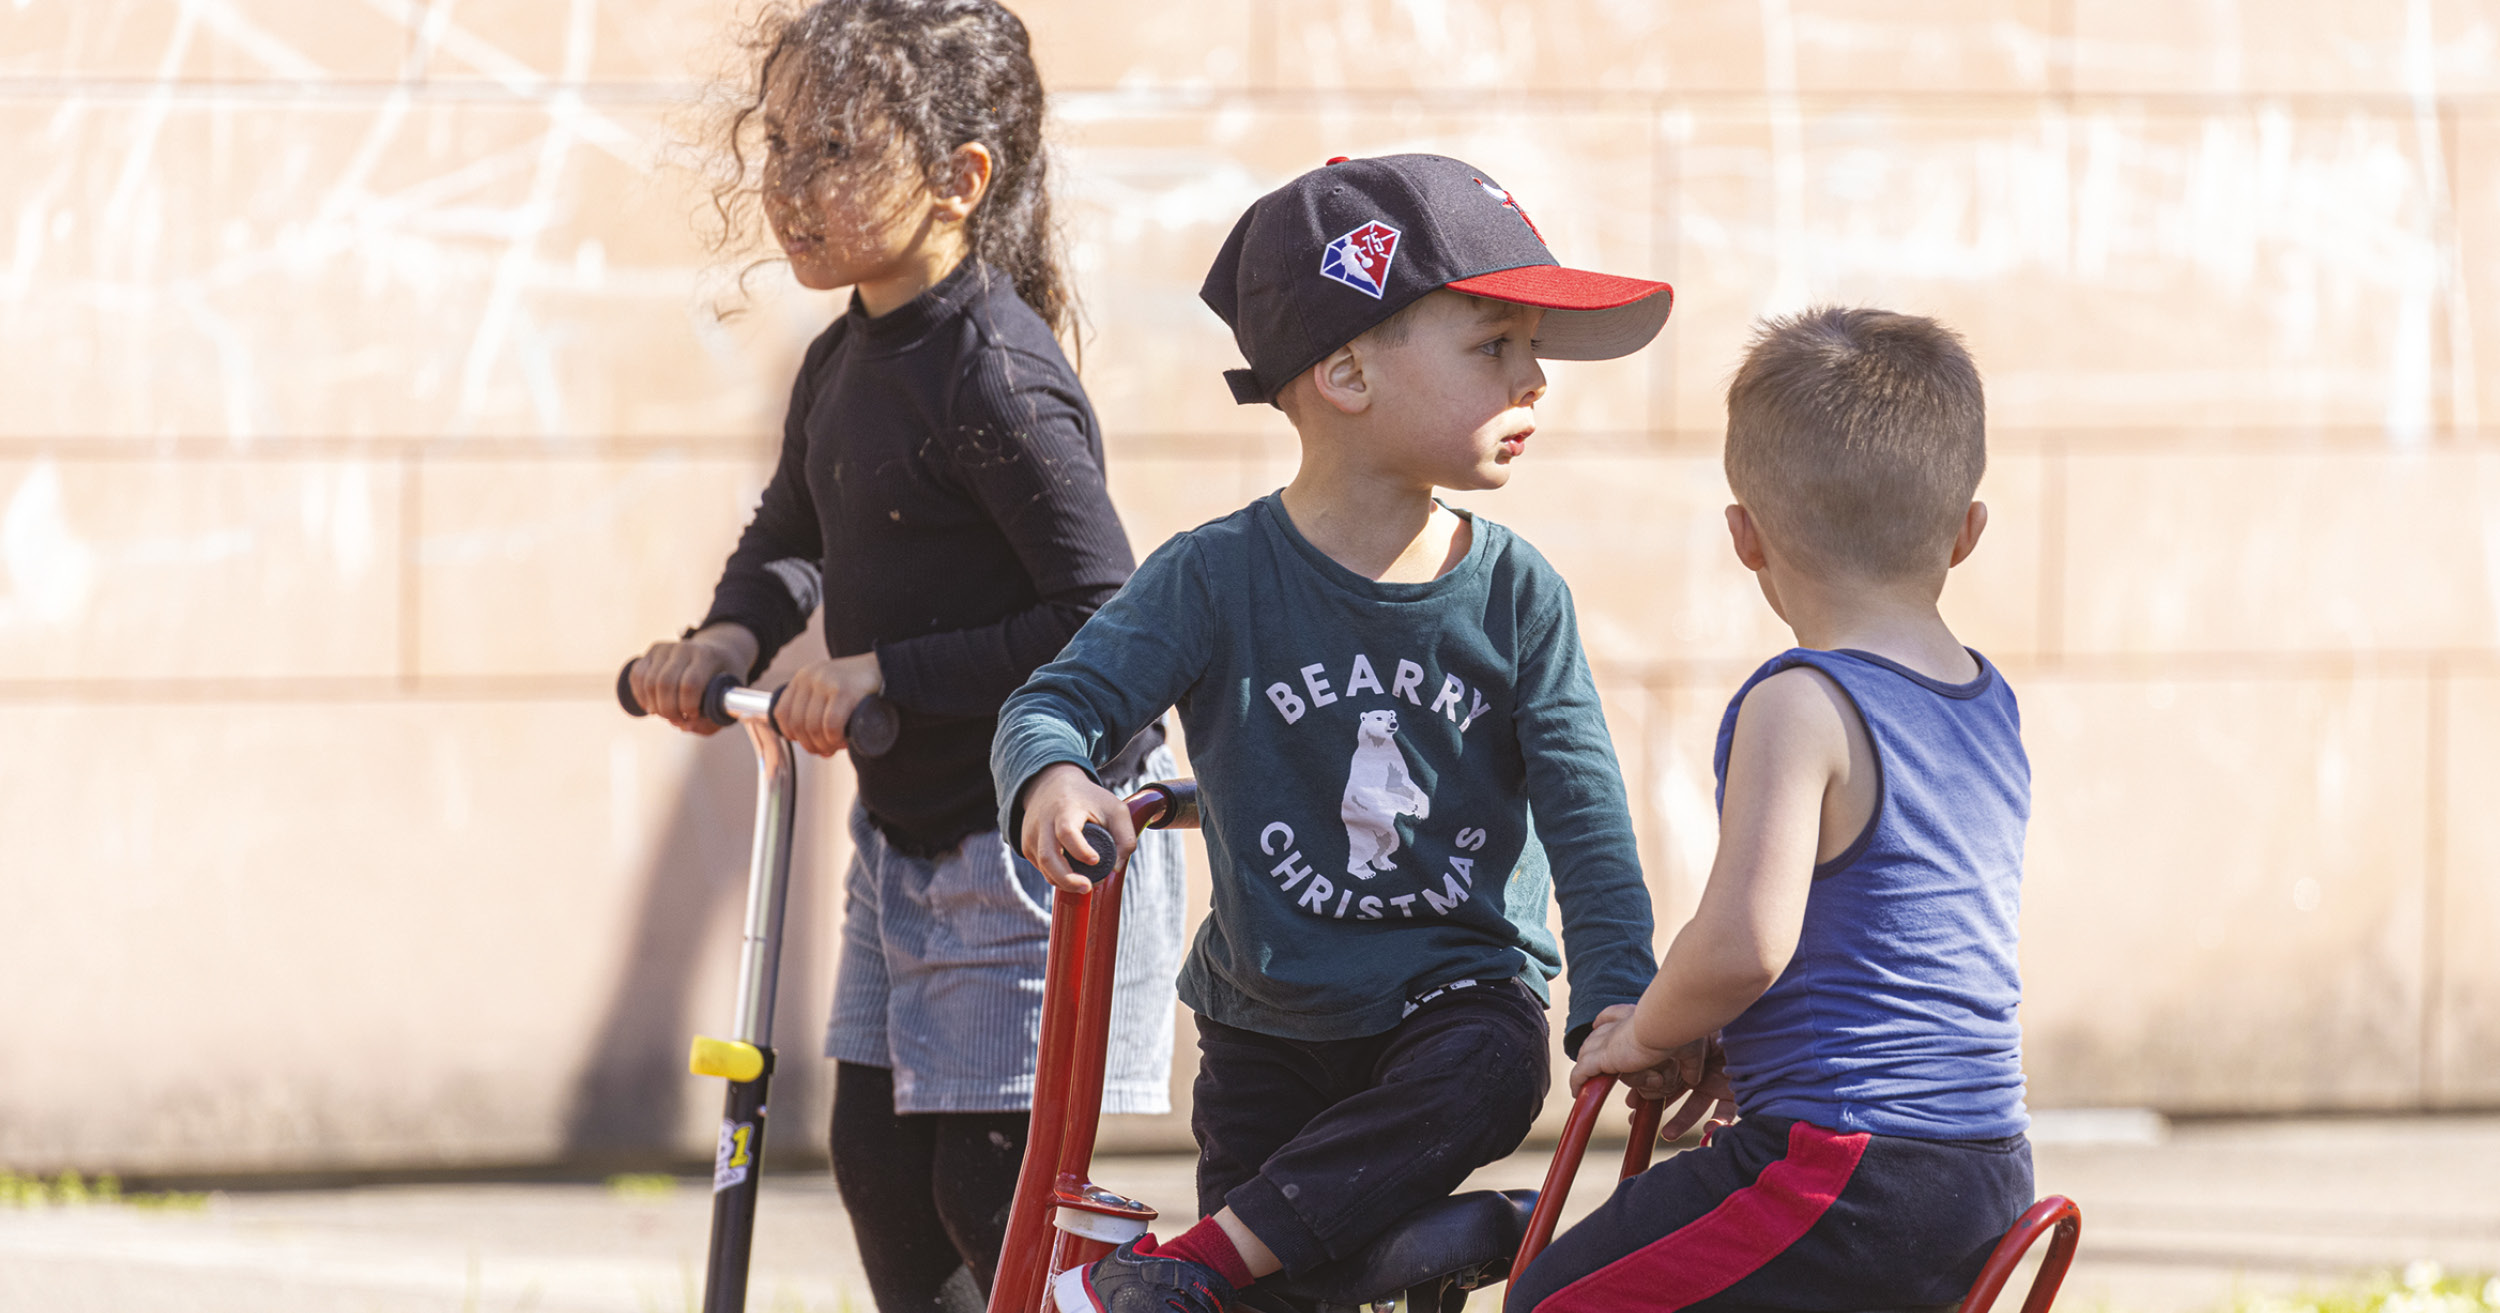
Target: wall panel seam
2172 442
411 536
2435 888
1118 102
1662 676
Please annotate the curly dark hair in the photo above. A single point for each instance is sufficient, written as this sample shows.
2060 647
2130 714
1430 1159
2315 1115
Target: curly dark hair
907 80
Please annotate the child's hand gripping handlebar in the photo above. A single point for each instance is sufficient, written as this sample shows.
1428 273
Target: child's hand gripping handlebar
1106 851
870 731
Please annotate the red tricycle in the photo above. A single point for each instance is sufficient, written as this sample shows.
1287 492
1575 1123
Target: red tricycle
1426 1263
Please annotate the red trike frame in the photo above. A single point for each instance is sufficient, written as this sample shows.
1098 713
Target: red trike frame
1060 1219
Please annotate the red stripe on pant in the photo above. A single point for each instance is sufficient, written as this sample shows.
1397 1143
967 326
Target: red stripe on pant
1747 1230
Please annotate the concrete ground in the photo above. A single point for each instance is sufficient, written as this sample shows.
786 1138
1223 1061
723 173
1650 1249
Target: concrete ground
2179 1223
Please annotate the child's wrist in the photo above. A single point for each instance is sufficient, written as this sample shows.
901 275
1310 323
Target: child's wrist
1056 775
1050 779
864 672
735 643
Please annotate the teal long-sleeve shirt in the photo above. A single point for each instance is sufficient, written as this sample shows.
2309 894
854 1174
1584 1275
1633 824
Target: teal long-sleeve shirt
1367 757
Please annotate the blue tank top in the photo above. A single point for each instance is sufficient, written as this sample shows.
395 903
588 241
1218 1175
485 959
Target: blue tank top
1896 1016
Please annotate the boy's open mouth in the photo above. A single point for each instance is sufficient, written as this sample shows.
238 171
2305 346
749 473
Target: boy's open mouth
1516 443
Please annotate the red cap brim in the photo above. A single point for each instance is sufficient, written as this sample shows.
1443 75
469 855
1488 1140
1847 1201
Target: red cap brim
1589 316
1557 288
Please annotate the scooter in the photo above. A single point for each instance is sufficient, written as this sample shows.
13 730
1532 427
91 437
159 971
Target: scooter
745 1059
1426 1262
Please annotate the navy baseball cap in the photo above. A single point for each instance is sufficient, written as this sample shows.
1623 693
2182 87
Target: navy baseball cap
1319 260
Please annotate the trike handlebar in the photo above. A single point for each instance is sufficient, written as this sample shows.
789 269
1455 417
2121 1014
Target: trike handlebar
1098 839
1568 1151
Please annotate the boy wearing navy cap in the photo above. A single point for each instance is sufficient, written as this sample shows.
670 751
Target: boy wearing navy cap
1376 689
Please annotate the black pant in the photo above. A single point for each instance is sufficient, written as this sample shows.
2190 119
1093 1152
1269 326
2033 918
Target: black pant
928 1193
1778 1215
1318 1145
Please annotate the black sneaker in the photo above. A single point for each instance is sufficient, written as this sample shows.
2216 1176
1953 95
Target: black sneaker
1125 1281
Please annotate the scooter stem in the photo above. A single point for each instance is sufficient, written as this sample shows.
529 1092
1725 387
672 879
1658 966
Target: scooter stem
768 882
747 1061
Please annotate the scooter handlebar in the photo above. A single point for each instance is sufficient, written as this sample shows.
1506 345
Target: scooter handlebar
625 690
716 701
871 731
873 727
715 696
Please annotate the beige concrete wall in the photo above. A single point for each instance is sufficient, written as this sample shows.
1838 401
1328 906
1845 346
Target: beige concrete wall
363 410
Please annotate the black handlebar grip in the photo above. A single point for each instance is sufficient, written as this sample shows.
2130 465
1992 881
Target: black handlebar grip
1098 839
625 690
715 695
873 727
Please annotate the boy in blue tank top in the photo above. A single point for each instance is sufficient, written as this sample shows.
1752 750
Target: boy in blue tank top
1853 952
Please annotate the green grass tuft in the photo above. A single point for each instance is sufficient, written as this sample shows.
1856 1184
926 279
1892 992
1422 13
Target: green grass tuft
71 1190
2423 1287
642 1185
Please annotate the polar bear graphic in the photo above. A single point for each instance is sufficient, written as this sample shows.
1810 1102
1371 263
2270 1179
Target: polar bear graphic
1378 790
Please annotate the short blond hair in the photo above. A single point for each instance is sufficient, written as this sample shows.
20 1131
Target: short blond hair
1857 437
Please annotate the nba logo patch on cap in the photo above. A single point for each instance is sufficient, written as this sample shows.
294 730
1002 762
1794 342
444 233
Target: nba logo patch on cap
1360 259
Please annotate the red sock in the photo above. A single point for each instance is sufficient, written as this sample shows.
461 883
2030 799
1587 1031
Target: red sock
1207 1245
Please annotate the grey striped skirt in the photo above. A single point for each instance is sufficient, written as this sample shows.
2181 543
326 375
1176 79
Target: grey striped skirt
941 971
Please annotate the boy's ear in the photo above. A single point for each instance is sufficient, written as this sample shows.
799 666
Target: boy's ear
1974 523
967 180
1341 380
1746 536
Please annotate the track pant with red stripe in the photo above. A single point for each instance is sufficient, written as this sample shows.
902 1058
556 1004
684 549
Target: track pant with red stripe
1785 1215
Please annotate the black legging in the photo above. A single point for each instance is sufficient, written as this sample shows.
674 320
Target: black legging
927 1192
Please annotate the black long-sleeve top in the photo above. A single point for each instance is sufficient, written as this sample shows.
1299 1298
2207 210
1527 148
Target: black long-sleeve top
941 483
